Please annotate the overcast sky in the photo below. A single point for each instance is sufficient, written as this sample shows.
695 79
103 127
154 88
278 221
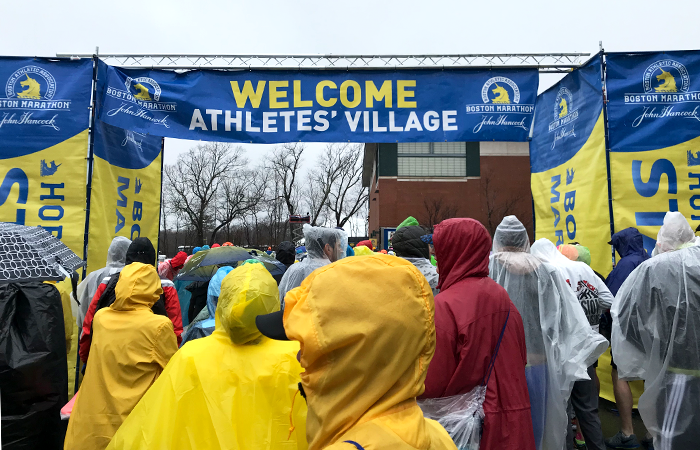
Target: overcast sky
47 27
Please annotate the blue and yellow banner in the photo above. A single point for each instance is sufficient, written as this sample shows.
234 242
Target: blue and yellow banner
126 182
654 121
44 119
324 105
568 164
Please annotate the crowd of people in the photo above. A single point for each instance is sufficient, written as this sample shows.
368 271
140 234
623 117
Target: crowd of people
452 339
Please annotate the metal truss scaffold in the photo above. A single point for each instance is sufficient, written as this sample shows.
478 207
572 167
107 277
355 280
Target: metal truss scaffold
544 62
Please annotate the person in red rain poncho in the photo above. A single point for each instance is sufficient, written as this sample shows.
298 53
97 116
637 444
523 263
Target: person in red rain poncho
470 312
170 267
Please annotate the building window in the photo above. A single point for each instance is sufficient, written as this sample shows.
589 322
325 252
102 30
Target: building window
432 159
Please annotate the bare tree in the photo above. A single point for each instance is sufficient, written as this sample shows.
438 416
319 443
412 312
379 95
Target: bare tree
346 195
495 206
237 195
194 181
284 163
437 210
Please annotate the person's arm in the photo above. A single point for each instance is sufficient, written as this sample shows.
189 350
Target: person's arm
165 344
605 297
445 359
172 307
86 335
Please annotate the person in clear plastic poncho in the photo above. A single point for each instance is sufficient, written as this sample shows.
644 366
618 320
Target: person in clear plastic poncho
235 389
656 336
323 246
116 258
560 344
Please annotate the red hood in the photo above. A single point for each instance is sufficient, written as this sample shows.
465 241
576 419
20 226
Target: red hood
366 243
462 249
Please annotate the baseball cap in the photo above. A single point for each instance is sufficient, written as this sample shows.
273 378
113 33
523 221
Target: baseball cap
272 325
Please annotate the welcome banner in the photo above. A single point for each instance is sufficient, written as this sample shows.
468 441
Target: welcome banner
654 121
568 164
44 119
324 105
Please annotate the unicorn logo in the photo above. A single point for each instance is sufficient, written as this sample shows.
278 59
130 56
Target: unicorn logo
674 77
501 94
32 88
569 176
497 86
143 92
563 108
50 169
31 82
693 159
668 82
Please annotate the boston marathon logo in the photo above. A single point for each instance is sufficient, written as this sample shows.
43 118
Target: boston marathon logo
144 95
501 97
564 114
28 90
666 85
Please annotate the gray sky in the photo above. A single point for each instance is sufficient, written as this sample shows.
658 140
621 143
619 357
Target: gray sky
47 27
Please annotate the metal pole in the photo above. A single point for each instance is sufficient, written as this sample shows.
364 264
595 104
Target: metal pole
160 206
607 147
90 158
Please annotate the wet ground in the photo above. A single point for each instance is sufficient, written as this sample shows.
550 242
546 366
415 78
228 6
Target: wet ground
610 420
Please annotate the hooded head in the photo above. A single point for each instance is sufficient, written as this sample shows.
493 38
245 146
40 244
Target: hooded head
141 250
363 251
286 253
674 234
246 292
628 242
138 287
570 251
584 254
325 243
116 254
205 247
227 244
362 357
511 236
214 289
178 260
547 252
407 242
215 245
366 243
462 249
196 249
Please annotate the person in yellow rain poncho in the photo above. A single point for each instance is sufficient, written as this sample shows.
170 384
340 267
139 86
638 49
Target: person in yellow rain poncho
234 389
365 353
130 347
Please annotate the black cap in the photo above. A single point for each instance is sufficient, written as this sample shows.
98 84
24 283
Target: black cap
272 325
141 250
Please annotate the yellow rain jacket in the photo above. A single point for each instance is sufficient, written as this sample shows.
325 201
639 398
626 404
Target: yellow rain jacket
365 353
232 390
130 347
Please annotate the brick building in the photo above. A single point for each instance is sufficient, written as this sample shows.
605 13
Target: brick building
438 180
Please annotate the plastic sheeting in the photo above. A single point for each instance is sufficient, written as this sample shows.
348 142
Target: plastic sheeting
592 293
460 415
674 233
428 270
560 344
33 376
116 258
656 338
315 240
511 236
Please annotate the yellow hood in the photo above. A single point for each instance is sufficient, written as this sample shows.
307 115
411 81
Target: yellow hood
138 287
365 351
246 292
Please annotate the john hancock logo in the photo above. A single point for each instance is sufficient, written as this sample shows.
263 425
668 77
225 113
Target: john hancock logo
28 90
667 94
141 97
501 105
565 114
